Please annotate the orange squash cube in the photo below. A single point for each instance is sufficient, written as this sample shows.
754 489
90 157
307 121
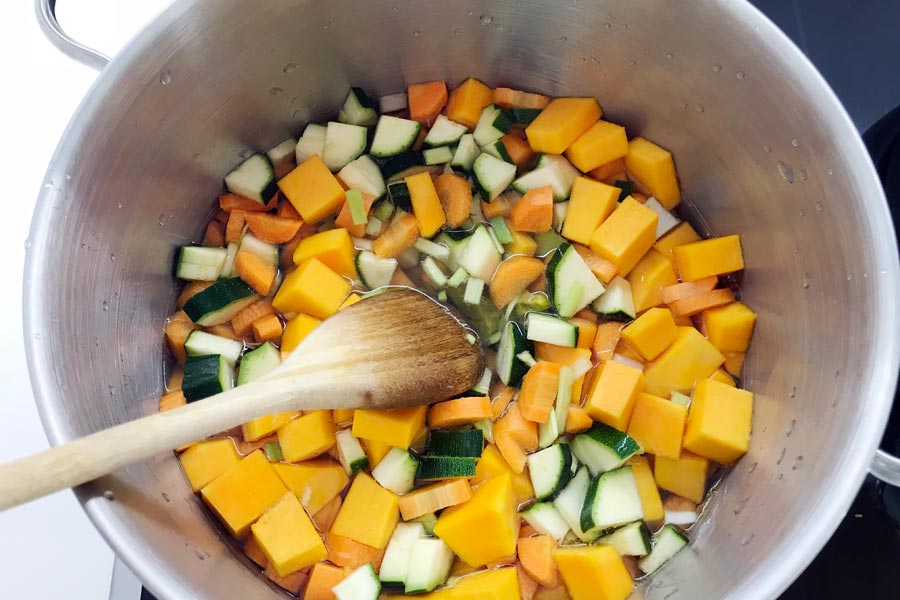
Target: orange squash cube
314 482
626 235
647 279
658 425
613 393
719 422
647 490
467 101
307 436
653 166
685 476
604 142
312 288
313 190
590 203
690 358
651 333
204 461
333 248
715 256
594 572
562 122
369 513
426 205
397 428
730 327
287 536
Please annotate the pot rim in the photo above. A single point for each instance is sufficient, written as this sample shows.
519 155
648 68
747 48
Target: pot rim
799 548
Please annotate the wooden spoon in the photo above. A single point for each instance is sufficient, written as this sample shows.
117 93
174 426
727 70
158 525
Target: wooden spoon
393 350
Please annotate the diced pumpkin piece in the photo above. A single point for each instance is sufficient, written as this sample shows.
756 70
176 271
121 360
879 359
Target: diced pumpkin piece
527 584
324 519
467 101
658 425
293 583
538 391
314 482
178 327
562 122
730 327
654 168
604 142
518 149
313 190
496 584
492 464
374 450
459 411
254 552
307 436
690 358
577 420
204 461
350 554
587 331
288 537
434 497
484 528
369 513
536 556
240 495
333 248
719 422
715 256
322 577
345 218
172 400
594 572
613 393
685 476
590 203
681 234
647 490
522 244
426 205
651 333
734 362
312 288
397 428
296 330
626 235
722 376
350 300
262 426
610 172
647 279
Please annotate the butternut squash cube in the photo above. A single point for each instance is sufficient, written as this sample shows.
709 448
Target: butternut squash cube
496 584
492 464
685 476
654 168
313 190
626 235
647 279
719 422
375 451
296 331
287 536
262 426
426 205
333 248
243 493
467 101
484 528
369 513
594 572
314 482
715 256
562 122
307 436
613 393
730 327
350 300
681 234
522 244
397 428
604 142
690 358
204 461
723 377
734 362
590 203
647 490
312 288
651 333
658 425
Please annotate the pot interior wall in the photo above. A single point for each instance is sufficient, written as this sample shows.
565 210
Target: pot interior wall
760 150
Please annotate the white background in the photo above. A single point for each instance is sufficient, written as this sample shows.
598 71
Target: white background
49 548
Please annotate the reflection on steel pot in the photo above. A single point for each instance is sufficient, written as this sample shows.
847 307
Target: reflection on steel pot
762 146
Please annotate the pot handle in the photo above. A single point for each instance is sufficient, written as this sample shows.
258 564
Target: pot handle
46 16
886 468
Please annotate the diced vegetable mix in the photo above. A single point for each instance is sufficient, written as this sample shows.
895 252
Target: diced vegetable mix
611 341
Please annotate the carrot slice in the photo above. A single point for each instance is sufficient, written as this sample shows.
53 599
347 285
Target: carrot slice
603 269
523 431
587 331
501 396
499 206
605 340
293 582
348 553
178 327
577 420
221 217
267 328
534 211
455 195
322 578
324 519
286 258
527 586
680 291
190 290
609 170
171 400
272 229
512 277
215 235
518 149
286 210
242 321
639 197
232 202
235 226
509 98
693 305
420 139
434 497
538 391
459 411
224 330
397 238
255 271
344 219
509 448
426 100
536 556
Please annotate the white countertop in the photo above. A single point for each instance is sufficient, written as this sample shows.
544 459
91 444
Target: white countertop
50 549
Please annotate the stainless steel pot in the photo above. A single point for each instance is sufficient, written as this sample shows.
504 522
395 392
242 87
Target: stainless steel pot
762 146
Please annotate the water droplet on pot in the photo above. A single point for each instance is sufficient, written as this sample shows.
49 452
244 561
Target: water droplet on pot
487 19
767 148
37 336
624 25
795 143
161 220
820 207
112 257
276 91
562 38
669 55
295 100
883 272
289 67
781 456
786 172
27 243
739 75
747 539
457 31
105 306
805 282
830 171
797 462
791 427
108 494
417 33
394 9
753 467
634 62
297 114
717 67
802 175
246 153
802 212
849 276
684 106
119 205
165 77
607 25
793 393
470 13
